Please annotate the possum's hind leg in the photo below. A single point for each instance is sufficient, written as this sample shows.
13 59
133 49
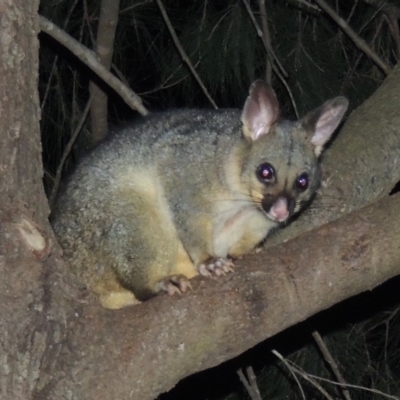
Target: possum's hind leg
146 254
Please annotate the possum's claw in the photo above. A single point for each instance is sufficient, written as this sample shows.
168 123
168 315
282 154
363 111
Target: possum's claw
215 266
174 284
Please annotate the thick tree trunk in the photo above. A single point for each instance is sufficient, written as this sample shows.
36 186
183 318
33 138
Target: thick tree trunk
25 234
139 352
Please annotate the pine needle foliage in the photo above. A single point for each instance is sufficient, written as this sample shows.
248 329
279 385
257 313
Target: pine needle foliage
367 354
222 44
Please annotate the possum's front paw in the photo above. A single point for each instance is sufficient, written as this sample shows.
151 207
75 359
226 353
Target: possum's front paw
174 284
215 266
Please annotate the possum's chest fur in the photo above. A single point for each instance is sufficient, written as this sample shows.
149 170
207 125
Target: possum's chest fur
237 230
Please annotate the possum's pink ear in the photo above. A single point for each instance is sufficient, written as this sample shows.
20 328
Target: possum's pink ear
322 122
260 111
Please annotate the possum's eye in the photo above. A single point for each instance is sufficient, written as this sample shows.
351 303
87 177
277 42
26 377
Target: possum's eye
266 173
302 182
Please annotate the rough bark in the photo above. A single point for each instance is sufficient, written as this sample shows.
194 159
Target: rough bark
104 49
20 149
25 296
139 352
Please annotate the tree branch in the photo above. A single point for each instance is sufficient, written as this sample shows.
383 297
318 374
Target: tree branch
357 40
183 54
165 339
106 29
89 58
332 364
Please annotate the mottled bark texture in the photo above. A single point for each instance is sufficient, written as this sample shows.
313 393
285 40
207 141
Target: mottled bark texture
139 352
57 343
29 325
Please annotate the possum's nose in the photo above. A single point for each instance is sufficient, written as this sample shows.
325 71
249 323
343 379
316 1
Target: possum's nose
278 209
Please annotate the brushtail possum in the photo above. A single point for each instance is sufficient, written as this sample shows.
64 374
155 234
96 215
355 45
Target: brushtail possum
183 192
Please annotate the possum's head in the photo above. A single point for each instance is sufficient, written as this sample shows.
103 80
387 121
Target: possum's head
282 172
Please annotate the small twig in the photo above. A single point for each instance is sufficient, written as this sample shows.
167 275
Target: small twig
288 366
66 152
165 85
244 382
126 9
87 19
89 58
332 363
272 56
183 54
266 38
250 384
310 58
386 323
269 50
120 75
392 314
304 375
350 386
52 72
48 174
355 4
357 40
394 29
374 37
311 378
308 5
253 382
53 68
